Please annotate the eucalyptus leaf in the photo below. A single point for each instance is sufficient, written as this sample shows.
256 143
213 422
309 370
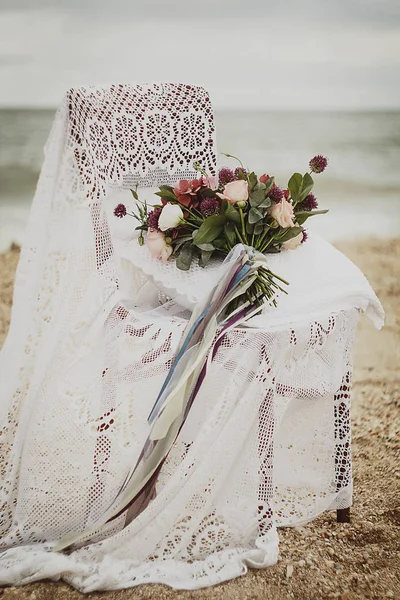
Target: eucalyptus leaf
249 227
255 215
204 258
210 229
184 258
294 185
303 215
268 184
266 203
256 197
258 228
206 247
180 241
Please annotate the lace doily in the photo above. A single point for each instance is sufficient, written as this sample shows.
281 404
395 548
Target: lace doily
318 274
141 134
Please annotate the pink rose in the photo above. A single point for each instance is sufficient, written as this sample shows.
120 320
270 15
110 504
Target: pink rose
159 249
264 178
210 181
294 242
235 191
283 213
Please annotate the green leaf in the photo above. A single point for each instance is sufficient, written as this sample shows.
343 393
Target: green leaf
168 188
134 194
232 214
307 186
272 250
218 243
303 215
210 229
255 215
204 258
294 185
207 193
288 233
229 231
167 195
252 181
184 258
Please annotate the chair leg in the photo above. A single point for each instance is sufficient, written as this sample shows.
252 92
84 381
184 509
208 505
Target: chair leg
343 515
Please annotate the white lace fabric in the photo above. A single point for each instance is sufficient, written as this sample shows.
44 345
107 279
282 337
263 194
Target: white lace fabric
267 442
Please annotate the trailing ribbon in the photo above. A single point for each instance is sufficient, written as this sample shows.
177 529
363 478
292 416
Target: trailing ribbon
188 371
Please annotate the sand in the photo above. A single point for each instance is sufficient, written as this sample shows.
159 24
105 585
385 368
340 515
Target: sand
322 560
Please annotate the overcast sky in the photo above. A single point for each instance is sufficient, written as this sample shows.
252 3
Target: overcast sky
248 53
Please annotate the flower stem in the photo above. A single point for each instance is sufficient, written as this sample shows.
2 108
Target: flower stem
243 227
239 236
235 157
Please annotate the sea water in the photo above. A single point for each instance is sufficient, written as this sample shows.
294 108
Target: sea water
361 187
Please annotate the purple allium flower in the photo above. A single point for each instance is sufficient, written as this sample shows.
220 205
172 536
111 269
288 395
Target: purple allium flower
239 170
120 211
225 176
152 219
210 206
309 203
305 237
318 164
276 194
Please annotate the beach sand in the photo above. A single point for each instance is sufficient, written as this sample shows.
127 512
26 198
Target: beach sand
323 559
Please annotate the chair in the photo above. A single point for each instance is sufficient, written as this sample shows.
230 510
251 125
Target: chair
267 442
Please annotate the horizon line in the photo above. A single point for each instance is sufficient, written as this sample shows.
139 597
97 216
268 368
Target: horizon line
260 109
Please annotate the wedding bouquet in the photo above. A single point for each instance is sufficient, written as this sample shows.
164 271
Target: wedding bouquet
208 217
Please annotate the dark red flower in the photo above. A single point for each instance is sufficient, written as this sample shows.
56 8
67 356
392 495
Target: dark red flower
120 211
152 220
210 206
240 171
309 203
264 178
225 176
318 163
286 194
186 192
276 194
305 237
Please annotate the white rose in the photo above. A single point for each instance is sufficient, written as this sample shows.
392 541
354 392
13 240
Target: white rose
235 191
294 242
159 249
171 216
